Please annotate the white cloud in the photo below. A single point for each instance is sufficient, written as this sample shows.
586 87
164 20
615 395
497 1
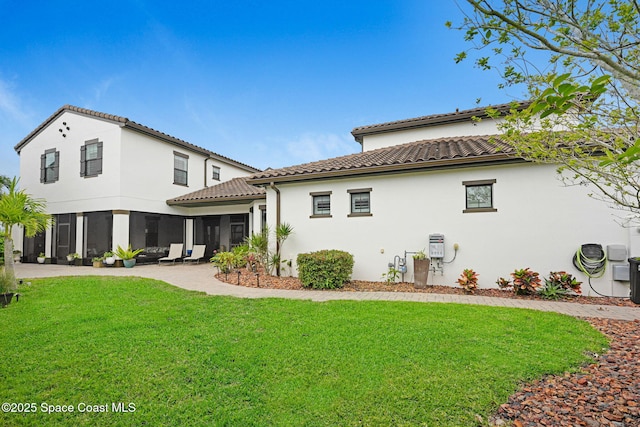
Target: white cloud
10 105
102 88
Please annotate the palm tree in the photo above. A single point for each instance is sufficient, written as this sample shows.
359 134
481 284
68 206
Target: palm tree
19 208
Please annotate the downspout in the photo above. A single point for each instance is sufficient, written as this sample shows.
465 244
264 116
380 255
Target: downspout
205 171
277 190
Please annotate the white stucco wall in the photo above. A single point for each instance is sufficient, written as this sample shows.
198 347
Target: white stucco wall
71 192
137 170
539 223
380 140
147 167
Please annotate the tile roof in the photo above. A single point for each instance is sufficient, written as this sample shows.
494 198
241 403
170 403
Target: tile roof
125 122
235 190
433 153
433 119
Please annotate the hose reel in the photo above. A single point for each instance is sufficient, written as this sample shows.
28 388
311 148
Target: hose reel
591 259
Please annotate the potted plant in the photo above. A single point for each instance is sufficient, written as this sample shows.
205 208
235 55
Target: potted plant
420 269
6 294
97 261
128 255
17 256
109 258
71 258
41 258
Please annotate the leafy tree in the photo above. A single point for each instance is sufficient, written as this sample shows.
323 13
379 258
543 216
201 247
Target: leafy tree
19 208
4 183
579 62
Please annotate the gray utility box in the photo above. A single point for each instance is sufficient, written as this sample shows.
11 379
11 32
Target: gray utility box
617 253
621 272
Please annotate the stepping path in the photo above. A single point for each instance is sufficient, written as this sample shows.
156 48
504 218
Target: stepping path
201 278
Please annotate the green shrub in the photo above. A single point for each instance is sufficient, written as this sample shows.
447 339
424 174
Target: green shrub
225 261
552 290
240 253
391 275
326 269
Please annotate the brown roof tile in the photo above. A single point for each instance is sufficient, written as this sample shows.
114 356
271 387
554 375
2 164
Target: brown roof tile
424 154
131 125
235 190
432 120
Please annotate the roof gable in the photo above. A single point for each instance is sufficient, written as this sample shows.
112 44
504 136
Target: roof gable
129 124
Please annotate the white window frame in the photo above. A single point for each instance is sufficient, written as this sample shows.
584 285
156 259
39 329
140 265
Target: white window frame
176 170
215 173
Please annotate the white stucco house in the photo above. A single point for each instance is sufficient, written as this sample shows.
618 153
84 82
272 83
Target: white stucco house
110 181
442 176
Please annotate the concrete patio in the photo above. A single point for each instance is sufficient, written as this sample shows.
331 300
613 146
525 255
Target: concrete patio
201 278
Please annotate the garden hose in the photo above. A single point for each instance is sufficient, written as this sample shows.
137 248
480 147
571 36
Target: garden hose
593 263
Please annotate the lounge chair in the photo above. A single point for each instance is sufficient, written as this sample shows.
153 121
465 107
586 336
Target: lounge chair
175 253
197 253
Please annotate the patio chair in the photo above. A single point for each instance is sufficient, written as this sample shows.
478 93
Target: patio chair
175 252
197 253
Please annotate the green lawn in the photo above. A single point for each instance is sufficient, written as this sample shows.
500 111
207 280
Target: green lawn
184 358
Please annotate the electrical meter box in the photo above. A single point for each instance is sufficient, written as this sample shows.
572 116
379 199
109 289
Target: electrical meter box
436 245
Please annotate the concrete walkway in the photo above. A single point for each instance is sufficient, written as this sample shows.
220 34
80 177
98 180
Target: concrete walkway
201 278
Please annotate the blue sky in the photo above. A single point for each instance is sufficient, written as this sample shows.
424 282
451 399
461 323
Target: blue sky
269 84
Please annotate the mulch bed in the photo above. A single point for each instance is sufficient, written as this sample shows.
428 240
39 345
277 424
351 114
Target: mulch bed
606 393
249 279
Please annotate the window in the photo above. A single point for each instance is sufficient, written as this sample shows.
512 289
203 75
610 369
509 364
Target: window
360 202
263 216
49 166
479 196
91 158
216 173
321 204
180 165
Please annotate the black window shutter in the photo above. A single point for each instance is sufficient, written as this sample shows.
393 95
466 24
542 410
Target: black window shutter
83 159
99 159
56 167
42 167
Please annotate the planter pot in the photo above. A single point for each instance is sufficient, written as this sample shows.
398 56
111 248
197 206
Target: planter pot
110 260
98 264
128 263
420 273
41 260
5 299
